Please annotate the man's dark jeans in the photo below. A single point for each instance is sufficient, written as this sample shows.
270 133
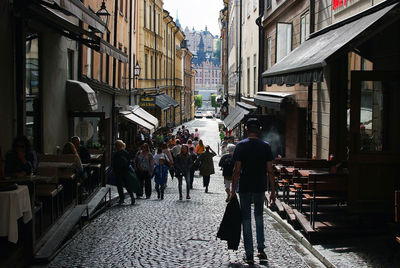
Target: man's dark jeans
245 206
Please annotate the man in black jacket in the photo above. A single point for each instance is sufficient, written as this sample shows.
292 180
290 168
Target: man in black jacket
253 159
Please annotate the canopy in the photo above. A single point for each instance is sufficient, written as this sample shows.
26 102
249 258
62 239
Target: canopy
165 102
304 64
137 120
272 100
80 97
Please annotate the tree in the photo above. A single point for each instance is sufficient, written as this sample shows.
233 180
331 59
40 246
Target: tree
198 101
214 102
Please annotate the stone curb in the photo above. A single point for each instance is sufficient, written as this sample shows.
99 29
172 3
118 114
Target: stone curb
299 237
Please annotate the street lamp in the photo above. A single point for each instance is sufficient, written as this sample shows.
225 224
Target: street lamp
137 70
103 13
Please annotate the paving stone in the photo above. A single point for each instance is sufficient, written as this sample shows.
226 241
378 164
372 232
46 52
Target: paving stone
171 233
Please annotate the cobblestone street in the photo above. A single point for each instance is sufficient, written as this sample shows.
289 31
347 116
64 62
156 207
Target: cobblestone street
173 233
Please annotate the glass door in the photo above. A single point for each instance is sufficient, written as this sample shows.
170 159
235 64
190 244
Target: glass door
374 153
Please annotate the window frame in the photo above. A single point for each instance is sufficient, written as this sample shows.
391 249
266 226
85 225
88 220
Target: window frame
276 40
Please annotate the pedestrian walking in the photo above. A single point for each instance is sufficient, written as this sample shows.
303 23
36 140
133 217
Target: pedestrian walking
183 163
200 147
160 174
227 163
196 133
144 167
206 165
160 154
253 160
120 165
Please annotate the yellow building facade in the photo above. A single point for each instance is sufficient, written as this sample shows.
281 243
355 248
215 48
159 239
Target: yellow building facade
159 55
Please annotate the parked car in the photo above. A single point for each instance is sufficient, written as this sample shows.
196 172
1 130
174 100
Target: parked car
198 114
209 114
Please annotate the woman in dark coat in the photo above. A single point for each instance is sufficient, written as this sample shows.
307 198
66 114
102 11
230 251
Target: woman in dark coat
206 165
120 164
183 164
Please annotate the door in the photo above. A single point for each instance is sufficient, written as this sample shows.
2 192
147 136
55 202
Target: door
374 152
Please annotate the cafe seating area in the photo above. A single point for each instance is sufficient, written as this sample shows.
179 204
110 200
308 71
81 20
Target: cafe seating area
311 194
49 204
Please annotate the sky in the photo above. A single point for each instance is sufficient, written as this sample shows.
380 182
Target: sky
196 13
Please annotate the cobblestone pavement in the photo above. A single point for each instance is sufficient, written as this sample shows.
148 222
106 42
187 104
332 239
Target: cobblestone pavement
173 233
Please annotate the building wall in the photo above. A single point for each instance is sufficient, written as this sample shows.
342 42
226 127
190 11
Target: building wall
249 48
208 75
8 98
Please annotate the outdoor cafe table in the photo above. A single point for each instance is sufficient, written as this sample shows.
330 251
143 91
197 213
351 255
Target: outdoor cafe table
57 164
14 205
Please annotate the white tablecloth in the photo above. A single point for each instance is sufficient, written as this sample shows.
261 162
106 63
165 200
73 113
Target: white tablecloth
14 205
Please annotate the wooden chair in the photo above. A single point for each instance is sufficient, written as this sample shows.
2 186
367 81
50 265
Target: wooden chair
325 189
52 190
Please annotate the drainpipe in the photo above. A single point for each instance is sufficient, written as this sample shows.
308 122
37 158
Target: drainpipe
113 114
174 71
130 53
261 44
310 89
239 64
155 45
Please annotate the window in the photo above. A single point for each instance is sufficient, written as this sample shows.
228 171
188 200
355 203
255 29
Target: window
255 5
248 8
145 67
119 74
269 53
121 6
151 67
32 93
283 40
70 64
159 25
269 4
89 62
144 14
126 8
304 27
248 76
149 17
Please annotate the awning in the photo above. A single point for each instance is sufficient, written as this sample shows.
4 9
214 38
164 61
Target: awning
165 102
80 97
234 117
113 51
145 115
79 10
137 120
304 64
273 100
58 21
246 106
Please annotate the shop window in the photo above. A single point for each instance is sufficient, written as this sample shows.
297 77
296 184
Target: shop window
32 93
90 129
283 40
304 27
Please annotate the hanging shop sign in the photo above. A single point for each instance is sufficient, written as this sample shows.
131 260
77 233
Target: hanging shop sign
147 101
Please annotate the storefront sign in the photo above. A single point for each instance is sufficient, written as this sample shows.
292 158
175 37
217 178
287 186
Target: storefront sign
338 5
147 101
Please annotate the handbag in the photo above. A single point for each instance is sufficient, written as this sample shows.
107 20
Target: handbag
133 183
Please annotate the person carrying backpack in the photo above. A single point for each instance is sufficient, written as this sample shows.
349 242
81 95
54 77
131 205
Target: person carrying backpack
227 164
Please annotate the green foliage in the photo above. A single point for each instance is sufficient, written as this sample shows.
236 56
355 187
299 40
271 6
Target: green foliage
214 102
198 101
